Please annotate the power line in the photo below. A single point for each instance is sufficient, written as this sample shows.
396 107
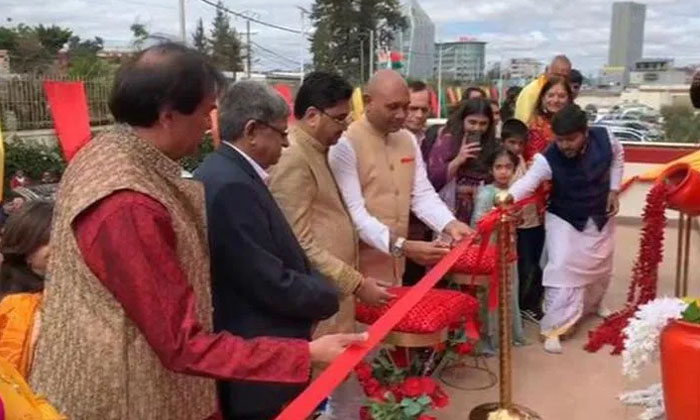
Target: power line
255 44
241 15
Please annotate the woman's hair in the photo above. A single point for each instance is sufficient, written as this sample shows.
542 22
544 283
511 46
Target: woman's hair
502 151
455 126
551 82
26 230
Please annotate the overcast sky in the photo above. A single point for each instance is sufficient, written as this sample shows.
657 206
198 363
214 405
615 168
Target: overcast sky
512 28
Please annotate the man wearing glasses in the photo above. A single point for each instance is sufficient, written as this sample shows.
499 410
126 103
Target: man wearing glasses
262 282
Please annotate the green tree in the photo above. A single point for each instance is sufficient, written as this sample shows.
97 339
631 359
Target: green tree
53 37
225 45
140 35
83 60
681 124
199 38
342 32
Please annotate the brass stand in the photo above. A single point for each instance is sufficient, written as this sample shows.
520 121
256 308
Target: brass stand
505 409
685 226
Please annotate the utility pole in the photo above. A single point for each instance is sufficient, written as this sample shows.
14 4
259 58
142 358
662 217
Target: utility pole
302 44
362 60
440 93
371 52
183 31
249 55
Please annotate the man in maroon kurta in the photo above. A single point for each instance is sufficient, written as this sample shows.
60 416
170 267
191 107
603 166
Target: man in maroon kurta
128 310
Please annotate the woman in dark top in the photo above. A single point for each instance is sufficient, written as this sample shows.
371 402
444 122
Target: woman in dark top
457 160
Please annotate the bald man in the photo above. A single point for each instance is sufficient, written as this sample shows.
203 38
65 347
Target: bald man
525 105
381 176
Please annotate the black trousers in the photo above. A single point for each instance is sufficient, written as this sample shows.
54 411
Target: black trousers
530 245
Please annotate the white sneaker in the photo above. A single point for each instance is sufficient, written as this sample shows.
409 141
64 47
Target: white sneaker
552 345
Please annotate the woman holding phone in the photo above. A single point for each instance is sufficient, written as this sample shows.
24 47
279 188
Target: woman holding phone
457 161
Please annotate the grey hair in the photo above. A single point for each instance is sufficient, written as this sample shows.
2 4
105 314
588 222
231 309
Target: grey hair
245 101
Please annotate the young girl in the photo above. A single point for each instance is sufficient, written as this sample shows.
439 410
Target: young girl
502 163
25 250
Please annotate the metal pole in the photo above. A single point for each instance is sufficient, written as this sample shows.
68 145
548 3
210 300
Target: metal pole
371 53
504 409
248 59
183 31
440 93
362 61
679 254
686 253
301 47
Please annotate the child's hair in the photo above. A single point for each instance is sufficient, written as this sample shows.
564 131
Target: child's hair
513 127
26 231
502 151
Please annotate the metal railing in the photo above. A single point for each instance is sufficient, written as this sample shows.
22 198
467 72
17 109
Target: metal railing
23 104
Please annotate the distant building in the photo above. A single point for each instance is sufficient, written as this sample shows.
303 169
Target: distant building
416 42
4 62
462 60
523 68
661 71
626 36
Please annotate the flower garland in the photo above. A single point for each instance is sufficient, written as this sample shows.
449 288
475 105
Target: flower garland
644 331
643 287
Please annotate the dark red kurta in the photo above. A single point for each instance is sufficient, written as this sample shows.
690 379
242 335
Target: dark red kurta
128 241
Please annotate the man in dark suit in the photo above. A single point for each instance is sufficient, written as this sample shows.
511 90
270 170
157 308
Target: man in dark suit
262 283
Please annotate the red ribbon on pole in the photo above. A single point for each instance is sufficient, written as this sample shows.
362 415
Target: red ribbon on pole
70 115
337 371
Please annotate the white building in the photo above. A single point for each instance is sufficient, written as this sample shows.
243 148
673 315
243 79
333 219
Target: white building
523 68
462 60
417 42
661 71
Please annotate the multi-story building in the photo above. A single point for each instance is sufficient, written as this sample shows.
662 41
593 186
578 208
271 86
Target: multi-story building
417 42
626 35
660 71
523 68
462 60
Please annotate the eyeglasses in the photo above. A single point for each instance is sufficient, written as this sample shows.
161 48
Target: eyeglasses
342 121
283 133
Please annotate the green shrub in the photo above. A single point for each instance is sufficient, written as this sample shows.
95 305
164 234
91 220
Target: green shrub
33 158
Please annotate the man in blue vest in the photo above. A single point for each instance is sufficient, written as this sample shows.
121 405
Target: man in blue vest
585 166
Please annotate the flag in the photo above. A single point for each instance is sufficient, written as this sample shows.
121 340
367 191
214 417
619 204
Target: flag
357 104
285 91
443 105
71 118
434 106
396 59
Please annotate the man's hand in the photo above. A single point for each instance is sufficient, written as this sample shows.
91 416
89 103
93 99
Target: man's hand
425 253
325 349
458 230
373 293
613 206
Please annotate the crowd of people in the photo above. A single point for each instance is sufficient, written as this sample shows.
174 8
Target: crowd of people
144 295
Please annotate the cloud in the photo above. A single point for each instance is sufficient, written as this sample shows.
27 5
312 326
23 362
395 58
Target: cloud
512 28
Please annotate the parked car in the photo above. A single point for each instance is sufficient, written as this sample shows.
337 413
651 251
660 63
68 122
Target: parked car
626 134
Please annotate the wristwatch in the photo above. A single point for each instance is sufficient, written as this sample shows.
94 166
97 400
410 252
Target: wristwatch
397 247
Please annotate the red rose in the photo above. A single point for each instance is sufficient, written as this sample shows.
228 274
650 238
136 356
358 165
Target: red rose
371 387
364 414
400 357
426 417
412 387
428 385
440 399
465 348
363 372
396 390
378 394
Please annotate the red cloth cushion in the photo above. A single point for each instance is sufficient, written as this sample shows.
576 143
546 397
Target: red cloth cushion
437 310
467 263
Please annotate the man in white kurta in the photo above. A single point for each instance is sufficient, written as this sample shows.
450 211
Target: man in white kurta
585 166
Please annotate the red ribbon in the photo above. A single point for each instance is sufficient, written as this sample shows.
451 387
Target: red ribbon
337 371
